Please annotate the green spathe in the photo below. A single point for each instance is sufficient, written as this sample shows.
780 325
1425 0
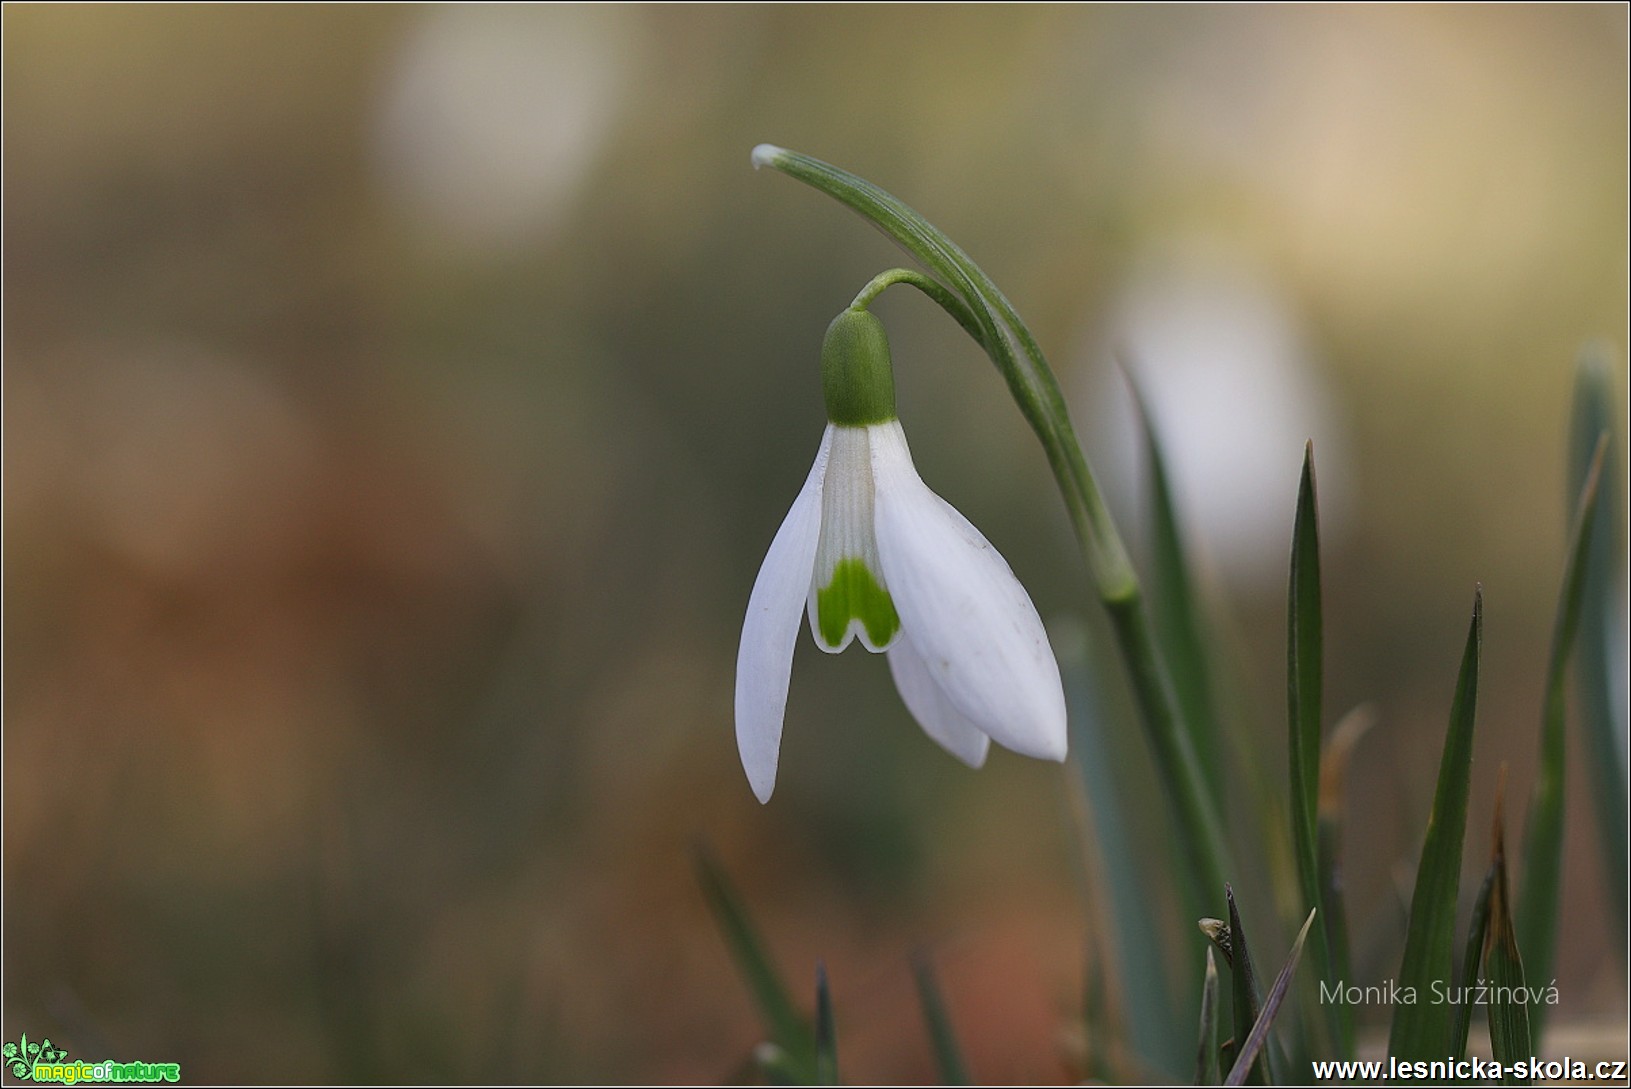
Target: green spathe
856 376
853 594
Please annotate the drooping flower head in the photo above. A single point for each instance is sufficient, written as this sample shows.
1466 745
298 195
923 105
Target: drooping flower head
870 553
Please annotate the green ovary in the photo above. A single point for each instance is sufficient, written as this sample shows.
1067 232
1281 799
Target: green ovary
853 594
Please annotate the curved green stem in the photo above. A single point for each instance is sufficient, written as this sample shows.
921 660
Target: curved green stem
996 326
934 289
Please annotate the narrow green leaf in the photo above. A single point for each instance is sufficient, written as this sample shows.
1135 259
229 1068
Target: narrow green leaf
1304 675
1230 940
1120 878
1305 665
1601 655
1508 1008
1422 1028
1176 611
1471 964
1243 982
947 1055
1257 1039
826 1034
787 1028
1206 1054
1539 893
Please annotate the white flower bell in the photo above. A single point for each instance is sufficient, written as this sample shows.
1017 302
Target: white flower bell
870 552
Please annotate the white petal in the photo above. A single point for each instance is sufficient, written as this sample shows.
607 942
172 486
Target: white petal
940 719
764 662
964 611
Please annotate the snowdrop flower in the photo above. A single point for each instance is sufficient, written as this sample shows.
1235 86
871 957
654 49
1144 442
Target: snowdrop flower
870 553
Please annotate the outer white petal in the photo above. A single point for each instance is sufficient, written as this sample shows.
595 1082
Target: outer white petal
939 718
964 611
764 662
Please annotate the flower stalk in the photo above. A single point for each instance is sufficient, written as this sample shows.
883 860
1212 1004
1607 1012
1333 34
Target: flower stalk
970 297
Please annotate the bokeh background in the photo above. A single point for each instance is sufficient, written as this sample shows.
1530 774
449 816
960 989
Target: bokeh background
399 401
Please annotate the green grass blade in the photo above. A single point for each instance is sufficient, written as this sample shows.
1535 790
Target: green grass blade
1421 1029
1305 664
942 1037
1471 963
1257 1039
826 1034
1304 675
1207 1071
1230 939
1601 654
1539 893
1124 912
786 1026
1242 983
1508 1008
1176 611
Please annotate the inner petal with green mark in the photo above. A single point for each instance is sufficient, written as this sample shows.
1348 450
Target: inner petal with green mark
848 596
854 597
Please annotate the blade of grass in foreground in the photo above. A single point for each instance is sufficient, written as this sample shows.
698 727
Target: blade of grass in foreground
1508 1009
1540 890
826 1034
1243 977
1257 1040
1125 905
1206 1055
1601 655
1304 684
1422 1027
1176 612
947 1055
1230 939
787 1029
1471 962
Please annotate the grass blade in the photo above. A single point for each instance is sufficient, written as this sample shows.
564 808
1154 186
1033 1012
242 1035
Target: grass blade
1304 675
1176 612
1508 1008
1305 665
1120 889
1230 939
826 1035
1540 890
1421 1029
786 1027
947 1055
1601 655
1257 1039
1206 1054
1471 963
1243 983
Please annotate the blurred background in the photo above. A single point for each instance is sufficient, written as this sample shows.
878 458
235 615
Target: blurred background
399 402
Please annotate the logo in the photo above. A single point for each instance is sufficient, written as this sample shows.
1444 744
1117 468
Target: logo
21 1056
41 1061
